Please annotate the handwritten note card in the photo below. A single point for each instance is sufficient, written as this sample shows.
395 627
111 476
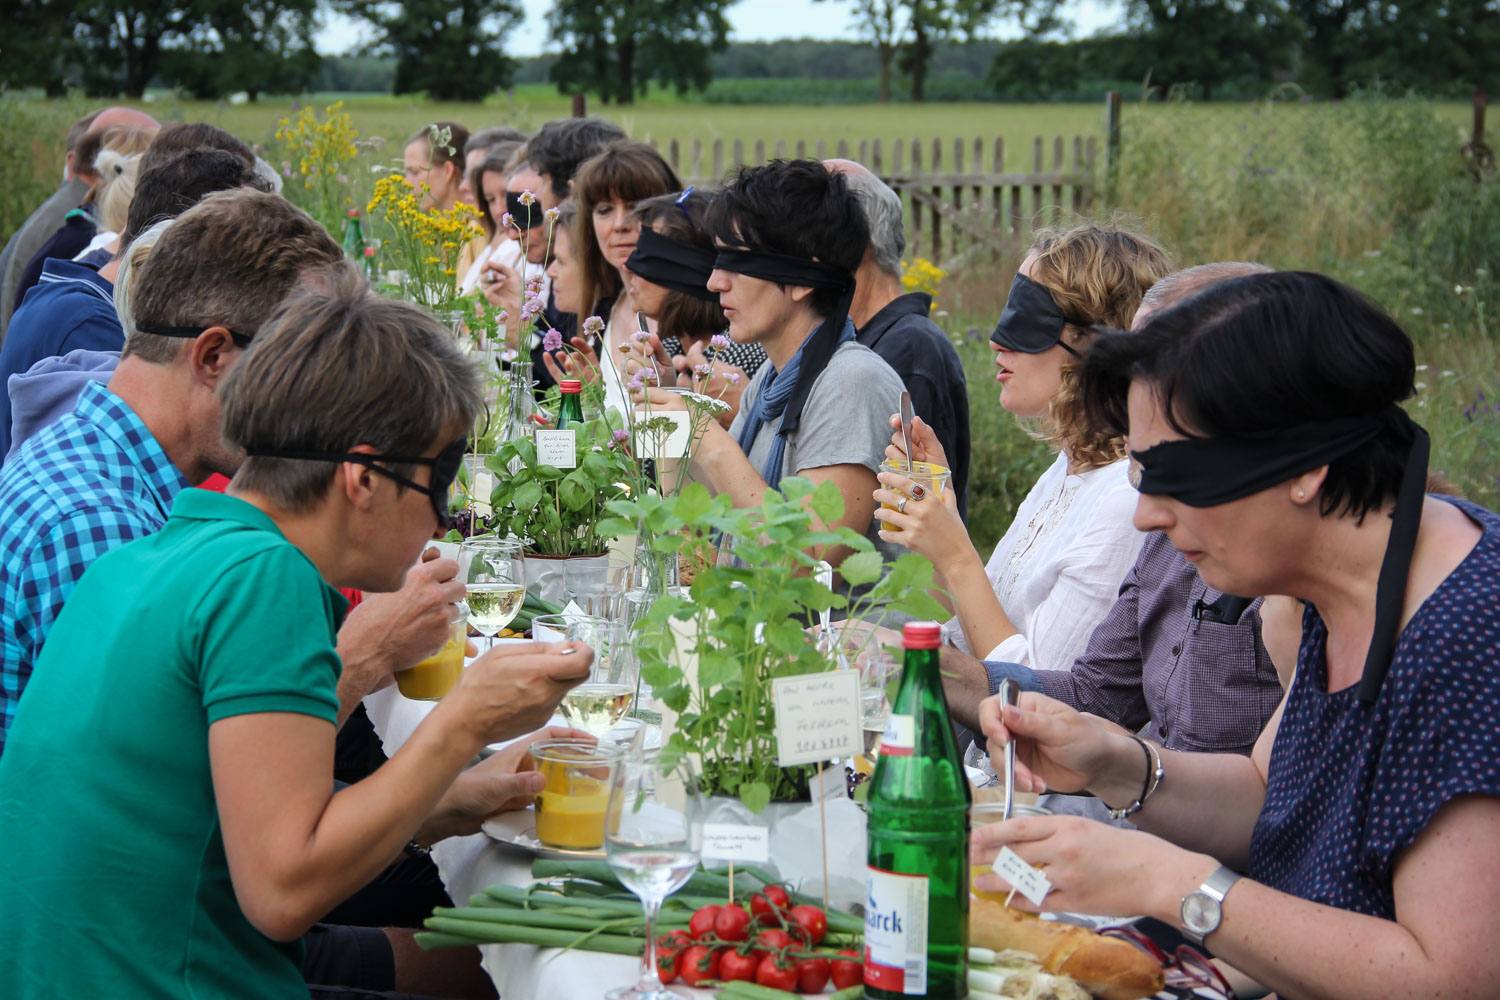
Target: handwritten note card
733 842
1029 882
557 448
817 717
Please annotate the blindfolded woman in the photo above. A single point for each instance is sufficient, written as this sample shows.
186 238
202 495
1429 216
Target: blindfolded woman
1267 442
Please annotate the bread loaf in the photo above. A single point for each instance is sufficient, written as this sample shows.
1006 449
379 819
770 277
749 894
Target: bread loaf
1107 967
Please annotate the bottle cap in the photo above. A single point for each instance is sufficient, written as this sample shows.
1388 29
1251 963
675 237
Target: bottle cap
353 213
570 385
369 251
922 635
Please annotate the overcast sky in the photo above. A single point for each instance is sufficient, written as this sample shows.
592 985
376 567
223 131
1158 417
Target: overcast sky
752 21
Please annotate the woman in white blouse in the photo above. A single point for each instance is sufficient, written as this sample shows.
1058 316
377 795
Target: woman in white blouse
1058 568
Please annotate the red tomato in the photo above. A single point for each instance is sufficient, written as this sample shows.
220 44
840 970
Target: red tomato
813 921
702 922
773 939
737 966
768 902
776 973
731 923
698 963
668 948
846 972
812 975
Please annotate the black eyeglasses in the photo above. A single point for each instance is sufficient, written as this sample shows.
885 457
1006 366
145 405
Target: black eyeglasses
241 340
444 466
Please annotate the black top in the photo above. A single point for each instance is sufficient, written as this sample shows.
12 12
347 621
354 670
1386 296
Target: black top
928 364
78 229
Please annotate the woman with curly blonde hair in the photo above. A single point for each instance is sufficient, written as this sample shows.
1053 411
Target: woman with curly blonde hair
1058 568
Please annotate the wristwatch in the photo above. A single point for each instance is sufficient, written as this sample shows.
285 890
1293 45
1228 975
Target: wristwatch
1203 908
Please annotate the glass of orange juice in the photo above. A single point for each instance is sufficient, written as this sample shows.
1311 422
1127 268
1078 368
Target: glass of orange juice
933 477
571 806
436 675
984 813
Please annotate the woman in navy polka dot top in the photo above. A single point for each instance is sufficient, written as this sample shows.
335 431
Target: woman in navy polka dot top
1267 442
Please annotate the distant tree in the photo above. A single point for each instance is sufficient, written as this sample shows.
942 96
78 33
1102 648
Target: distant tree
1209 42
38 48
252 46
122 42
616 50
1431 45
884 23
453 50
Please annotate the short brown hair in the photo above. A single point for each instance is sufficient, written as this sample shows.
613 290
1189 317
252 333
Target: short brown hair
1097 273
452 152
174 137
339 366
683 314
630 171
227 261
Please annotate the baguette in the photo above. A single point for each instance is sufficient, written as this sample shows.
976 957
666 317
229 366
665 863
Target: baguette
1107 967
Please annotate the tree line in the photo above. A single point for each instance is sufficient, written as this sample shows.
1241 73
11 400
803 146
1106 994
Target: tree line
615 52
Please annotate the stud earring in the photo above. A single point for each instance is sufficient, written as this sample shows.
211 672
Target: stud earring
1301 494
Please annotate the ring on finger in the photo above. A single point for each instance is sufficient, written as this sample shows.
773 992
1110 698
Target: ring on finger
901 505
918 491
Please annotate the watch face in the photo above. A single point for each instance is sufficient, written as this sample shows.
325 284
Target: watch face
1201 913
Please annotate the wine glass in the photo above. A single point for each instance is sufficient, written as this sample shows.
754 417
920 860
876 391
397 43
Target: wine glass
653 835
876 667
602 700
494 575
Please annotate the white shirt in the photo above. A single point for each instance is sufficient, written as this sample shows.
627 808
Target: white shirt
509 254
1059 567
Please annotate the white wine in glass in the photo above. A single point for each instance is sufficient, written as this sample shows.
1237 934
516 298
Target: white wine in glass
494 575
653 836
600 702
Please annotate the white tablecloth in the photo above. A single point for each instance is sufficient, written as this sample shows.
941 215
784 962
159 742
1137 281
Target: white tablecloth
471 864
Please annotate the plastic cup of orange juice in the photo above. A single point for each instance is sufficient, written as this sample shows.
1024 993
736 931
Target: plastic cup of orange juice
984 813
571 806
436 675
933 477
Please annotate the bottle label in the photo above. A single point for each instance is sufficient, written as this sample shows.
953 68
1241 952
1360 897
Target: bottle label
895 932
900 739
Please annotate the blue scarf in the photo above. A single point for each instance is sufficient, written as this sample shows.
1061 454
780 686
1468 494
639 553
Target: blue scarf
771 402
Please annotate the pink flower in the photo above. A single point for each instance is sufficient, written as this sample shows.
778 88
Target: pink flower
552 341
593 326
733 377
621 436
527 198
719 342
507 222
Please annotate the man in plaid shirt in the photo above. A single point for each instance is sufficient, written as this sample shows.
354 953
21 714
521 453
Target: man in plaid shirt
109 471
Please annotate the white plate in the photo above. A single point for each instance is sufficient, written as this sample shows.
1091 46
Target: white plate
518 829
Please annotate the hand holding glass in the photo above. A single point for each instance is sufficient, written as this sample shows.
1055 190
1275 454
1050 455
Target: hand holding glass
602 700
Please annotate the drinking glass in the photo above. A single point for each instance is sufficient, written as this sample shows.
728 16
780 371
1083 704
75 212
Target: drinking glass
598 586
602 700
653 835
876 667
494 575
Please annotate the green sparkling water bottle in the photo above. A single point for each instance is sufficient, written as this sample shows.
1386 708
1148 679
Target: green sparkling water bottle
354 238
570 405
917 879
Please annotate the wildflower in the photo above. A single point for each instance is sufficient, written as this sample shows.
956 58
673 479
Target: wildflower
697 399
552 341
637 381
527 198
640 336
593 326
733 377
1416 311
551 215
507 222
719 342
1421 368
621 436
703 370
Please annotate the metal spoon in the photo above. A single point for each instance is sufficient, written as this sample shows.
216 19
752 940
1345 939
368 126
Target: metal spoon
906 418
1010 693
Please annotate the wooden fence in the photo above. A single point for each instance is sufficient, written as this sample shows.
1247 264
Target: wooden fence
968 206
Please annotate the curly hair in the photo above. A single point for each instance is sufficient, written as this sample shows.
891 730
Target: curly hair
1097 273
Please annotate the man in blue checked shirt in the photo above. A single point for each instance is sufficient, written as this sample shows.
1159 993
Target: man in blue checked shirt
108 472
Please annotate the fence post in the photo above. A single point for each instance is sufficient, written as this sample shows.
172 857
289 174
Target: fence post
1112 144
580 106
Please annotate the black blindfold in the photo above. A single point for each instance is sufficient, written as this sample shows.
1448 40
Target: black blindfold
1031 322
1206 472
785 269
525 216
666 262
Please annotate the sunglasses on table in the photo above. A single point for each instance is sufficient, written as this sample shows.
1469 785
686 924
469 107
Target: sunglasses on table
1187 968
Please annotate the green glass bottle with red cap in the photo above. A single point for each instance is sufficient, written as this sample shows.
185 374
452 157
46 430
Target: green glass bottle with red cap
570 405
917 878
